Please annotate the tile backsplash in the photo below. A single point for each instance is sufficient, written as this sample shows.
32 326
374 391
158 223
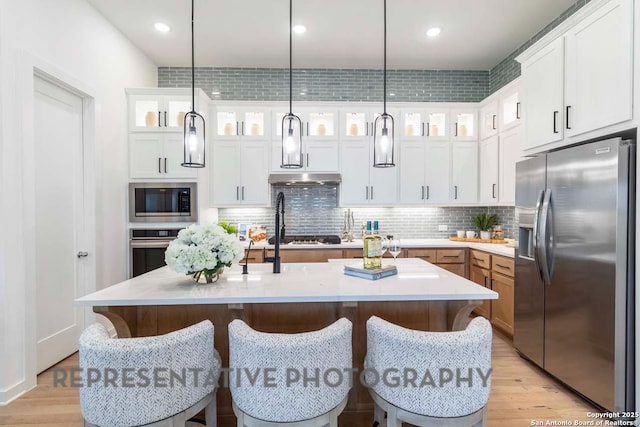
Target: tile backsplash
315 210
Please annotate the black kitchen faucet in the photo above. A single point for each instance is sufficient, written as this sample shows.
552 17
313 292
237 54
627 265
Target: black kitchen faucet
279 233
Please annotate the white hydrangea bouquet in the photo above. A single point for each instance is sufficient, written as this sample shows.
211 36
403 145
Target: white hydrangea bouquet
204 250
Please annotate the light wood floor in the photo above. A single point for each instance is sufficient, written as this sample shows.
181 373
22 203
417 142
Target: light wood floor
520 393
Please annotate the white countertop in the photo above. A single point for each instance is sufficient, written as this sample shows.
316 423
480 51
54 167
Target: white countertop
495 248
417 280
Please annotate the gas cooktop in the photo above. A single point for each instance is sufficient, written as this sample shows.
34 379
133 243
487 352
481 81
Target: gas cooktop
308 239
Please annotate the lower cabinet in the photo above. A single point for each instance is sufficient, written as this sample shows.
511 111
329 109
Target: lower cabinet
482 277
307 255
453 260
254 256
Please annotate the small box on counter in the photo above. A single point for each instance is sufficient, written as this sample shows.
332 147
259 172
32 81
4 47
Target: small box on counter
378 273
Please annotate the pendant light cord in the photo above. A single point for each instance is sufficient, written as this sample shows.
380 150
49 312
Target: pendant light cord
193 73
290 57
385 60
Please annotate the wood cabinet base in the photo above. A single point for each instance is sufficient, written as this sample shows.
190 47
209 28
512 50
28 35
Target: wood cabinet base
139 321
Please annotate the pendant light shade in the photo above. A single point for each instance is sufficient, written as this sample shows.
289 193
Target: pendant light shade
291 124
194 137
383 141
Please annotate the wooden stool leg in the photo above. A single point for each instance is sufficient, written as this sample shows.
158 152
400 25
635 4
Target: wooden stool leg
211 413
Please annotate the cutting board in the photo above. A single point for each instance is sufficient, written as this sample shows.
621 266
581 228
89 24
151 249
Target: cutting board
478 240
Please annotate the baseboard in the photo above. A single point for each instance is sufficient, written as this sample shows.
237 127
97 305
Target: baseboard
10 394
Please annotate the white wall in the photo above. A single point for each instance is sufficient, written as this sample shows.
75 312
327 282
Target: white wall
72 37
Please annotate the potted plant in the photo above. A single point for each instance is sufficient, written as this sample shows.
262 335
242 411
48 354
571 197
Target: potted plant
484 222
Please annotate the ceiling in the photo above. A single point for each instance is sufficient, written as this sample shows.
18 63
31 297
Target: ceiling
476 34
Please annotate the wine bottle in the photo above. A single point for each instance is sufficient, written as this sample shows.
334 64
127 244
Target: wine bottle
372 249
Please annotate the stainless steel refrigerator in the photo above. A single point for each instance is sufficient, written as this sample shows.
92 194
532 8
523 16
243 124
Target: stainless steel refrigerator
574 282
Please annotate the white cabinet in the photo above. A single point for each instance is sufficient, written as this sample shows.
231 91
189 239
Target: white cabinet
509 108
510 153
362 184
424 172
432 124
463 124
489 119
156 118
158 113
464 172
240 173
489 150
582 80
241 122
542 79
598 74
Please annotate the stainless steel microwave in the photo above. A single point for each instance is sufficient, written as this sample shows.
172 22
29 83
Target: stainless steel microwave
163 202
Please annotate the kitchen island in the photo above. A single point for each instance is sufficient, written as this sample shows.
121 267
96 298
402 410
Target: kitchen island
304 297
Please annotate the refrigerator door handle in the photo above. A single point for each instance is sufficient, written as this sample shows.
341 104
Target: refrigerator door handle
536 232
547 238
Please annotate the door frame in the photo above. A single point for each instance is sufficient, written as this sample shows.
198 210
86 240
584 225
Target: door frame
31 66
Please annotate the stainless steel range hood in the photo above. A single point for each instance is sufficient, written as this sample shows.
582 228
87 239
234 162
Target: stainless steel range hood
302 178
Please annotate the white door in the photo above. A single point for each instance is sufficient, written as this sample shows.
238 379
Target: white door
412 186
59 214
146 155
174 156
322 156
489 170
464 172
354 189
438 172
599 73
510 153
489 120
225 186
254 161
542 77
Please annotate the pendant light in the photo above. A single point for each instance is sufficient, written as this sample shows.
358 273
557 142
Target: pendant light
194 140
383 130
291 124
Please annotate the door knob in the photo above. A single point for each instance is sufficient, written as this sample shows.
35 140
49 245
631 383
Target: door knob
82 254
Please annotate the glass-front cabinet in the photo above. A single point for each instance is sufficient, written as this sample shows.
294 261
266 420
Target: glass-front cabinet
431 124
463 125
489 120
158 113
241 122
510 111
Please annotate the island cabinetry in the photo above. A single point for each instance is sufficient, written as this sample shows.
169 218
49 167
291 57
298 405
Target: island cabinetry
307 255
480 273
357 253
253 256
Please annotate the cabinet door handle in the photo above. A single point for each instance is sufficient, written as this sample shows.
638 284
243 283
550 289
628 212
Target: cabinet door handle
165 165
428 129
567 116
372 192
423 192
367 192
518 110
243 192
493 122
237 193
456 129
242 127
555 121
237 128
493 190
503 266
423 129
455 188
366 126
427 192
307 128
485 280
159 122
159 164
307 159
165 119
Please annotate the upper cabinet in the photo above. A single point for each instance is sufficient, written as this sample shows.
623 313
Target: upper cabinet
578 79
464 124
233 122
156 126
509 108
432 124
489 119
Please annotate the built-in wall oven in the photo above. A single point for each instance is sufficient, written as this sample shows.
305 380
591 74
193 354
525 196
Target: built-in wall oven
163 202
147 249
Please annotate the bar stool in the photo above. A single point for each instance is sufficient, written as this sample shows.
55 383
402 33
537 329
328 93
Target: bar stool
451 374
142 392
279 364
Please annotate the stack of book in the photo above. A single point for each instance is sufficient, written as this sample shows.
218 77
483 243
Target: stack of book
375 274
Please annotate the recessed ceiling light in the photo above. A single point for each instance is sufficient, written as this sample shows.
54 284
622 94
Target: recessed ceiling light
215 92
303 93
392 94
299 29
432 32
163 28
